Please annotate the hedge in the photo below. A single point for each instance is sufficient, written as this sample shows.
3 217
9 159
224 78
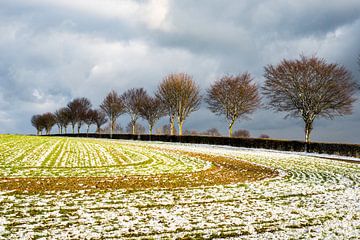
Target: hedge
352 150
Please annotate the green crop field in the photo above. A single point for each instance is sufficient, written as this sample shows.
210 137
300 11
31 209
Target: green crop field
72 188
66 157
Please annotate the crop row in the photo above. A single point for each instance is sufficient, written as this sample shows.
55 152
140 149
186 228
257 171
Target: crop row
312 198
35 157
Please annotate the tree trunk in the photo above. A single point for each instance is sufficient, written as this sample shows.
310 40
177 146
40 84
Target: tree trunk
87 130
112 127
172 123
79 126
308 128
73 128
133 127
150 129
231 128
180 127
65 130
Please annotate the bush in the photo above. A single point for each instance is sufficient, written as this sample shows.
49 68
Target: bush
242 133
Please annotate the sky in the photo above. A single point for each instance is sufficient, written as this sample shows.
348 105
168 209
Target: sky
54 51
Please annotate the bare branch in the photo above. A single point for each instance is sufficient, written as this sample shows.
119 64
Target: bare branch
309 88
152 109
113 107
233 96
132 99
180 95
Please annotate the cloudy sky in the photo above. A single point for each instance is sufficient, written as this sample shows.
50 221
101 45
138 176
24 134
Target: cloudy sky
54 51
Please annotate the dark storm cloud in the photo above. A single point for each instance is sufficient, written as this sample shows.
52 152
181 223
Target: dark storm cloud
53 51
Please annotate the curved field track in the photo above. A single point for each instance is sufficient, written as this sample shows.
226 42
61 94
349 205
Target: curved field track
310 198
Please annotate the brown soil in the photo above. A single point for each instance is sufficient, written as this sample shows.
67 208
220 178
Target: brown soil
224 171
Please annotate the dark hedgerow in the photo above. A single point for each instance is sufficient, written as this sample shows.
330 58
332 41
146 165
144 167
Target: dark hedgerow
352 150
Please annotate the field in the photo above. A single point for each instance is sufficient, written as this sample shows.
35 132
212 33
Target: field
59 188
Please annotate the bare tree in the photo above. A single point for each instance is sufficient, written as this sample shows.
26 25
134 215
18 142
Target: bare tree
233 96
214 132
99 119
137 129
151 109
62 119
72 116
166 130
49 121
191 132
264 136
132 99
116 129
89 119
167 96
38 123
78 109
241 133
58 121
113 107
309 88
84 107
181 96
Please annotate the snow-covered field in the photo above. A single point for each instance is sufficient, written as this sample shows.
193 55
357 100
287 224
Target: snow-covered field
312 198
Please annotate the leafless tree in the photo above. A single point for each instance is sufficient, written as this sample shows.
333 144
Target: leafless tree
309 88
214 132
62 119
78 109
181 96
166 130
137 129
57 119
116 129
151 109
241 133
113 107
49 121
38 123
99 119
191 132
89 119
132 99
233 96
85 106
264 136
167 96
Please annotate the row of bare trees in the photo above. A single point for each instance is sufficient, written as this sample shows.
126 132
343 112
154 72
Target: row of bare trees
78 112
308 88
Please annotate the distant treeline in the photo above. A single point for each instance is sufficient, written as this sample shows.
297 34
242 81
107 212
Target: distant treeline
308 88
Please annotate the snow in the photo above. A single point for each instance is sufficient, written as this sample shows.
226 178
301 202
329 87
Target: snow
313 198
